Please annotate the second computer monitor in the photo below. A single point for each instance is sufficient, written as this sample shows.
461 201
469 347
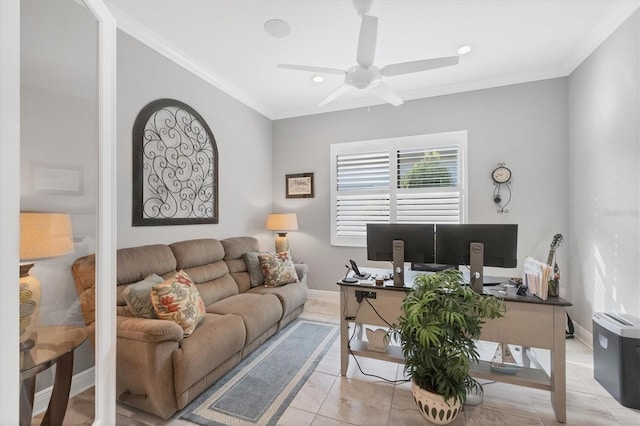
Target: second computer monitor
477 246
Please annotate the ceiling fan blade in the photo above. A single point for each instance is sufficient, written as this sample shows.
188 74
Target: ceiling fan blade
339 91
417 66
386 93
367 41
309 68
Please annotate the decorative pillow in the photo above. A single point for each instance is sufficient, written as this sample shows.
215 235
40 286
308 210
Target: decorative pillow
278 269
256 277
178 300
138 296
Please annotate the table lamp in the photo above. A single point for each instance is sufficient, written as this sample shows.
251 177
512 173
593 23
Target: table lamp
281 223
42 235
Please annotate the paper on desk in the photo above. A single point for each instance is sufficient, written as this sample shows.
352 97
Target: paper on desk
536 275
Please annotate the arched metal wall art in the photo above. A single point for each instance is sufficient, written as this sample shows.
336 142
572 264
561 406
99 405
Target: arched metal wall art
175 166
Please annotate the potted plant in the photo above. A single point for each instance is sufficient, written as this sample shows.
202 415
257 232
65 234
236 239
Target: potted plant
441 321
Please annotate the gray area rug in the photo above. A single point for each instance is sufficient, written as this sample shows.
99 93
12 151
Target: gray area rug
260 388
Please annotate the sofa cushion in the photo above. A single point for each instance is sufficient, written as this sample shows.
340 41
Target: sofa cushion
178 300
259 312
254 268
138 297
292 296
278 269
234 250
135 263
202 260
218 338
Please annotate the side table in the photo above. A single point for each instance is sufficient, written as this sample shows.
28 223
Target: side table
54 345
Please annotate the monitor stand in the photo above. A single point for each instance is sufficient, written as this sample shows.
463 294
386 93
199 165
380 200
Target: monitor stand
476 264
398 263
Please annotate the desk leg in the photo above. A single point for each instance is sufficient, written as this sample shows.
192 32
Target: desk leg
344 346
26 400
60 394
558 367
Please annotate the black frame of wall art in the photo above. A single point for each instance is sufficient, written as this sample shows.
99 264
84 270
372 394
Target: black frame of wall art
175 166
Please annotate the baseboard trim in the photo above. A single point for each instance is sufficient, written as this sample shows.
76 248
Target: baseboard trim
584 335
324 294
79 383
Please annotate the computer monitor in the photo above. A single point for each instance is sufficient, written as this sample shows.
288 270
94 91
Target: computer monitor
477 245
399 243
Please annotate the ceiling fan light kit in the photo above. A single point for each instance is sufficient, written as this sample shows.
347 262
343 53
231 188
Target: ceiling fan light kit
365 75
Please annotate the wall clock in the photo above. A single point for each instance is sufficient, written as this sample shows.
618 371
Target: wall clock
501 176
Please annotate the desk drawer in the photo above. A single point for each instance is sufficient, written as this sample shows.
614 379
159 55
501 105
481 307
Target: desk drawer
524 324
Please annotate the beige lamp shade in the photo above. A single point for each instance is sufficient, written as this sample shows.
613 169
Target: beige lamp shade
42 235
281 223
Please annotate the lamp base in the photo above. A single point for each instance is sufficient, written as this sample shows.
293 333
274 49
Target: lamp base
30 295
27 345
282 242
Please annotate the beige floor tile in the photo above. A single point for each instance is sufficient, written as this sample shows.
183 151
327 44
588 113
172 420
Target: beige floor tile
313 393
326 421
358 402
482 416
507 398
296 417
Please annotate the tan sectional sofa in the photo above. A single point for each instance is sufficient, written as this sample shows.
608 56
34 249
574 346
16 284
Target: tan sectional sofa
159 370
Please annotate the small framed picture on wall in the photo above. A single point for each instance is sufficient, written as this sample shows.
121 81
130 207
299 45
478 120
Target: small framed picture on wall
299 185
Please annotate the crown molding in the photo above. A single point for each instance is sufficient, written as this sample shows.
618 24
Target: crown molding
610 23
164 47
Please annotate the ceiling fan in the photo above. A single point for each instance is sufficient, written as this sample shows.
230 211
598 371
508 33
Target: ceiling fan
365 75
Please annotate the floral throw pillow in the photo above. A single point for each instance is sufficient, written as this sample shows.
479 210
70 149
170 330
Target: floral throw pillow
278 269
178 300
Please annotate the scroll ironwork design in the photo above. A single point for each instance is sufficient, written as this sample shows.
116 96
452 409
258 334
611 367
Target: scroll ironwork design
175 169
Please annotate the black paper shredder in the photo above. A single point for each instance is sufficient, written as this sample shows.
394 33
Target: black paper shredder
616 356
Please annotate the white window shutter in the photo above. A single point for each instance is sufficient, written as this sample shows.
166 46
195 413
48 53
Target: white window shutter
416 179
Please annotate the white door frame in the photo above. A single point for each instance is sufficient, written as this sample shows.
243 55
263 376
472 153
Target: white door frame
105 350
10 207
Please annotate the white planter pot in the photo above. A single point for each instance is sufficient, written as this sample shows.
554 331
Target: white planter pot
433 406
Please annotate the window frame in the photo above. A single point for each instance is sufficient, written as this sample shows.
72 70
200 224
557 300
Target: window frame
423 141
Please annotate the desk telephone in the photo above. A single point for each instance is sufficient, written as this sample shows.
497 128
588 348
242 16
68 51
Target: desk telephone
357 273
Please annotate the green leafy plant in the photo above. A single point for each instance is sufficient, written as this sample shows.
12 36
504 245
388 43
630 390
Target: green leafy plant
441 321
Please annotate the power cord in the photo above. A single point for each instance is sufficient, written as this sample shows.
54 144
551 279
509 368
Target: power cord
353 335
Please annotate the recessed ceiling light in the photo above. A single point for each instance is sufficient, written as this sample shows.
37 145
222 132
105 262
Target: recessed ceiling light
277 28
317 79
463 50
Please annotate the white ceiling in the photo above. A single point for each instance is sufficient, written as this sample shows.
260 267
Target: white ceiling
224 42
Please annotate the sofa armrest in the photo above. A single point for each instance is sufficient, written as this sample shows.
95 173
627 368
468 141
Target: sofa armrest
148 330
302 270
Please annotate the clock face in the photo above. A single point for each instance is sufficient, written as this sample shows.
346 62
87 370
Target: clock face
501 174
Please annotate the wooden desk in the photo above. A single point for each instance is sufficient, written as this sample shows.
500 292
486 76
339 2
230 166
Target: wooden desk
54 345
528 322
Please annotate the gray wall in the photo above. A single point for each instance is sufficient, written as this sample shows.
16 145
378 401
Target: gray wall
524 126
604 164
243 137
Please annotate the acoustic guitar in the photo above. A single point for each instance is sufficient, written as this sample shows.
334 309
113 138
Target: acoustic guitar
554 282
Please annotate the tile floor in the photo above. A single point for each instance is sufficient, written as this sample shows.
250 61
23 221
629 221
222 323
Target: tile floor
327 399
